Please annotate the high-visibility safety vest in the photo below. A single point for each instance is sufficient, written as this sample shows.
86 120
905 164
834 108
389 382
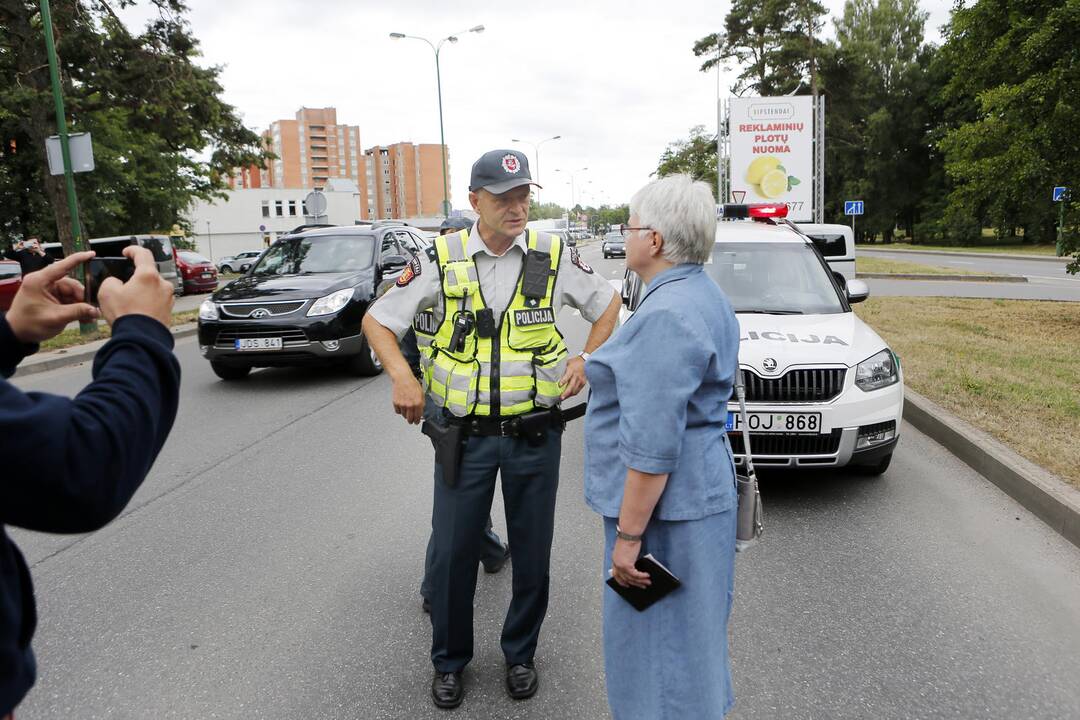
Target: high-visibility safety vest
512 373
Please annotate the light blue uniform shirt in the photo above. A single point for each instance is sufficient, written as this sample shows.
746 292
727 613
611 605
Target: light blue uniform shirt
658 403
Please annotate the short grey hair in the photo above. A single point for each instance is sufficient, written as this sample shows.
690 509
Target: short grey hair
683 210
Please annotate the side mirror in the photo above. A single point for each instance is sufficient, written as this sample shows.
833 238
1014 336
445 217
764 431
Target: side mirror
393 263
857 291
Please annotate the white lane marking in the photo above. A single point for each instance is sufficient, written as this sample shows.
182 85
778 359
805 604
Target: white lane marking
959 262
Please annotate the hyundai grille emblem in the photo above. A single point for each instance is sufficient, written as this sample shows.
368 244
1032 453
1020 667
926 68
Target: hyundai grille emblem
768 365
263 312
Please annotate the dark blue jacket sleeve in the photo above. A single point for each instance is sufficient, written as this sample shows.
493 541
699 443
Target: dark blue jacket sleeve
71 465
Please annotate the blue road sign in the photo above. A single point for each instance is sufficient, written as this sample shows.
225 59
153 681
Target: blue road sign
853 207
1060 192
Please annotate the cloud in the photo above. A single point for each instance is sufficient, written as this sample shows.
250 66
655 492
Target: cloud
617 80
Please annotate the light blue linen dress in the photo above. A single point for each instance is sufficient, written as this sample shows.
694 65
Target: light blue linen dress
658 404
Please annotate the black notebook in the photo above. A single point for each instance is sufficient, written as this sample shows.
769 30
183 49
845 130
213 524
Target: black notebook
663 582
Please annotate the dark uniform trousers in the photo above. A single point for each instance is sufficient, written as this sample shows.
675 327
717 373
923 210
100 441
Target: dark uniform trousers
491 553
530 478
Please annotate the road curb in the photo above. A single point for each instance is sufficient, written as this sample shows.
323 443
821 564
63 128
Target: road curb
43 362
949 278
1050 498
949 253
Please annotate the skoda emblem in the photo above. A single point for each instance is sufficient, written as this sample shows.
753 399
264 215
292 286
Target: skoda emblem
263 312
768 365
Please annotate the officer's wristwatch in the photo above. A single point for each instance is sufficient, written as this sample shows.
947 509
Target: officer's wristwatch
585 356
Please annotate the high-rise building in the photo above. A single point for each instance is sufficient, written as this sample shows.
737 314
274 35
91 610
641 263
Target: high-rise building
403 180
313 150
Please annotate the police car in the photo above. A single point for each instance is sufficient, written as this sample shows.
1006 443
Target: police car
822 388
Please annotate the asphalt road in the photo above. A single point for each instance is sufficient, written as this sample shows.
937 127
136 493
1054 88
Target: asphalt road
1046 280
269 567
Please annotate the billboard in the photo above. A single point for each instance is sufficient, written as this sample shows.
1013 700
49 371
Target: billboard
772 152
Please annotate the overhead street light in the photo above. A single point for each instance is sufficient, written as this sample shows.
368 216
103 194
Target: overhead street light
572 174
436 47
536 152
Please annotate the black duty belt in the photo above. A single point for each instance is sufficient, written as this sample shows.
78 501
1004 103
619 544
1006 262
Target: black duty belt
518 425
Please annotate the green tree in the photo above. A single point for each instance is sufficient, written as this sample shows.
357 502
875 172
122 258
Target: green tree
546 211
878 89
162 136
694 156
773 41
1012 114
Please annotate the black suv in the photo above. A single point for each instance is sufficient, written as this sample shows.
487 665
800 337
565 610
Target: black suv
303 301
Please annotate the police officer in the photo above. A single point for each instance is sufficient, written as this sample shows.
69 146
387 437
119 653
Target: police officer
496 367
493 553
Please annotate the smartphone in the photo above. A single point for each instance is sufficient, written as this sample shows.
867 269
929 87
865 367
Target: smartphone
100 268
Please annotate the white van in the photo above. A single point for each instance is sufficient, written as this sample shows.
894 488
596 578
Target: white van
836 243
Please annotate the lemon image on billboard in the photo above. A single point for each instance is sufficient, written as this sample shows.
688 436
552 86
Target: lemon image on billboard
773 184
759 167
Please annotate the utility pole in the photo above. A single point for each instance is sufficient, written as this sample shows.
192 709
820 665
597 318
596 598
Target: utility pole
85 328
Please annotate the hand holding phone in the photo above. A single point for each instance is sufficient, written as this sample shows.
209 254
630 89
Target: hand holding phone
49 300
100 268
145 293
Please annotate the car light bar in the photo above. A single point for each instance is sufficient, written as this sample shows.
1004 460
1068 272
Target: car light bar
754 210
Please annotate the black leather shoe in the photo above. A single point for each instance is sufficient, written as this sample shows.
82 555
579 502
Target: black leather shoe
522 681
425 604
494 567
447 689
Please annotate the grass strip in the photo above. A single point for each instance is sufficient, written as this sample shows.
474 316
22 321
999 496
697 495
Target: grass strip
1007 249
1008 367
72 337
870 264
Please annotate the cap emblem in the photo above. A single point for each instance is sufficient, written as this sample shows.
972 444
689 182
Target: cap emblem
510 164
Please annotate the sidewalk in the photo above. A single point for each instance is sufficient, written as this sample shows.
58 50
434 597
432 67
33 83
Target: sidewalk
53 359
950 253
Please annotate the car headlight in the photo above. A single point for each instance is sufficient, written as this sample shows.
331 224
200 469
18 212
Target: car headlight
878 371
331 303
208 310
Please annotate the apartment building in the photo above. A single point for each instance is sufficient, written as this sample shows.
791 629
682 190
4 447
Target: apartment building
313 150
403 180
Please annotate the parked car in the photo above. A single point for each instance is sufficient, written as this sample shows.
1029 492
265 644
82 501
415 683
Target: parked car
822 388
303 301
614 245
240 262
10 282
197 272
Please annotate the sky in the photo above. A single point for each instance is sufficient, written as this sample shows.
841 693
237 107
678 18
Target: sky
617 80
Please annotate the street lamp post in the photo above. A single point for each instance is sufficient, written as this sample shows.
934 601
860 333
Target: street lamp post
85 328
438 83
536 152
572 174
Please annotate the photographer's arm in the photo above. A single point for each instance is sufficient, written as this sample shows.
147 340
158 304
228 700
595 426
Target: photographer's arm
72 465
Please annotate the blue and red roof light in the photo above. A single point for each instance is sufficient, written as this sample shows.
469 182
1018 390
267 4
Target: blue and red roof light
757 211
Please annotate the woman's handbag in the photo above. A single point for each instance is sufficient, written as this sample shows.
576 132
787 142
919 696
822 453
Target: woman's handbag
750 521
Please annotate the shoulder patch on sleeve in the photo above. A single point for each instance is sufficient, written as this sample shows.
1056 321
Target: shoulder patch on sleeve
575 258
410 273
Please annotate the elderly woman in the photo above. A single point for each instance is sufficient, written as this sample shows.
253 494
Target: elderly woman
658 463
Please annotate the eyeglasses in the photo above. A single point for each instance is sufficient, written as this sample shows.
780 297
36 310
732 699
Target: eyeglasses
625 230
